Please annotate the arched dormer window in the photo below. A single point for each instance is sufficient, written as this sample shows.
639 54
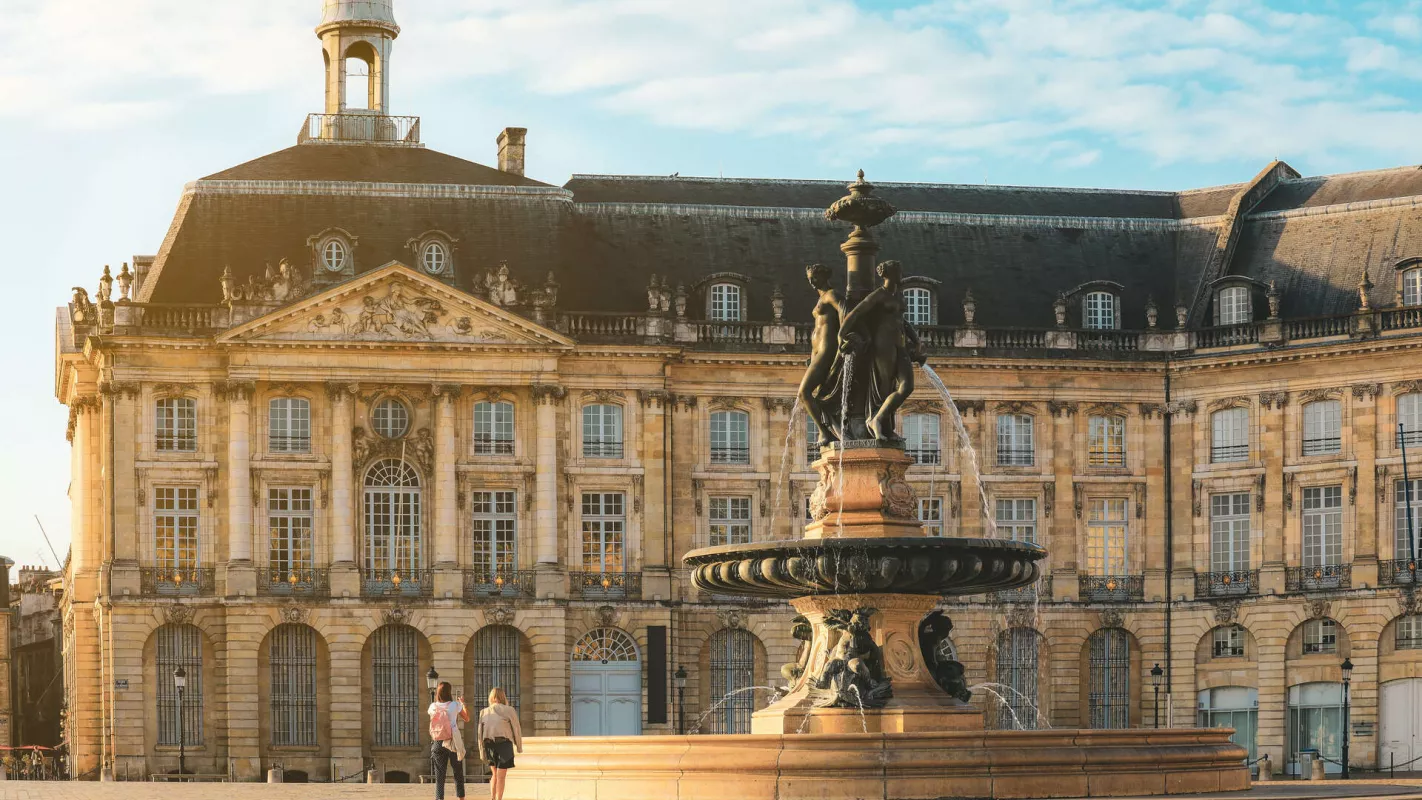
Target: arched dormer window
920 300
434 253
725 303
1234 300
333 251
1409 282
1101 311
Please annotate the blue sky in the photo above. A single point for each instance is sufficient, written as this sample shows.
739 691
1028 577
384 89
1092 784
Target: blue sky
108 108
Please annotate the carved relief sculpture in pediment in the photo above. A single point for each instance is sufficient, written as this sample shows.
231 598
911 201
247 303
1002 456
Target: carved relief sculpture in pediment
401 313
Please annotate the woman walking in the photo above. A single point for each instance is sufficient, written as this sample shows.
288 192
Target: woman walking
499 736
446 743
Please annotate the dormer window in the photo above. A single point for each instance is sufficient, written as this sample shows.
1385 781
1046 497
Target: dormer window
1101 311
1233 306
725 303
434 257
1412 287
918 306
335 255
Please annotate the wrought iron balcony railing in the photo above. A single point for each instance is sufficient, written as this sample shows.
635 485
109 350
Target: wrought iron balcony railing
1235 583
367 127
479 583
1015 456
586 585
1322 445
1112 588
283 581
288 444
1318 578
602 448
727 454
397 583
493 446
1224 453
176 581
1397 572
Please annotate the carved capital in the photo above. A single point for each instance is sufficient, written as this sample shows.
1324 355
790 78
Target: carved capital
655 398
970 407
687 402
448 392
1366 391
236 391
1151 410
1058 408
1273 399
781 404
548 394
340 392
1182 407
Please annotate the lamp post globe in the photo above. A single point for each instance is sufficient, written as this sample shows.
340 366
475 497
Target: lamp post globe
431 681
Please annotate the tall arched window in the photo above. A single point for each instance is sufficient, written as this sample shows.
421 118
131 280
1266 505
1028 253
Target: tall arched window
1232 306
918 306
730 437
393 522
1412 287
493 428
732 675
289 425
175 425
1229 435
725 303
1106 441
179 646
360 69
292 656
1323 428
602 431
496 662
1101 311
1110 693
1017 671
395 686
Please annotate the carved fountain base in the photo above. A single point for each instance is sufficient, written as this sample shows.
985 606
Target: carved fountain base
863 494
918 704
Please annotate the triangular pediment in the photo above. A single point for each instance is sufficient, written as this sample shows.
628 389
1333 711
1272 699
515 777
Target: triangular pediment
395 304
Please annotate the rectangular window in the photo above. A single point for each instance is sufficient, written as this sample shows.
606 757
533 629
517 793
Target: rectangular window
602 431
495 533
1014 440
1320 636
730 437
809 515
1322 526
175 527
1232 306
725 303
1402 547
494 429
1106 536
1412 287
1409 633
921 438
730 520
1323 425
930 513
1106 441
1229 642
812 440
289 555
1409 416
604 525
1229 532
175 425
1016 518
289 425
1100 311
918 306
1229 435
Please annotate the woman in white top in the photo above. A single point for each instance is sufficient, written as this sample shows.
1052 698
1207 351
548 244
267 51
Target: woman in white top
499 736
446 744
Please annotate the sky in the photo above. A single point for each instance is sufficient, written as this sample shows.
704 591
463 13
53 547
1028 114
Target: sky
107 107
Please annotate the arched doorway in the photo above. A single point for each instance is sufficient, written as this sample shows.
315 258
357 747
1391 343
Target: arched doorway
607 685
732 662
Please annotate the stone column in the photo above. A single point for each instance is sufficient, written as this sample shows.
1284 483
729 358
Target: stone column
549 580
446 494
651 494
240 576
1363 485
1275 519
344 578
1061 528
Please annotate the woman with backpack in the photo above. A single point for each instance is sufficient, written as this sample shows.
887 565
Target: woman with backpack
499 735
446 743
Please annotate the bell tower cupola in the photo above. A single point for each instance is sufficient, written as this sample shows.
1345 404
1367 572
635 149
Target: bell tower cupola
356 39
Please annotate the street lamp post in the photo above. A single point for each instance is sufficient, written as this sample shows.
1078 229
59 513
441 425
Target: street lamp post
1347 722
679 681
431 681
180 682
1156 676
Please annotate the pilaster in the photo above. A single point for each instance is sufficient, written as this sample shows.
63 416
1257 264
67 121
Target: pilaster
241 578
550 580
446 485
345 582
1153 434
1275 520
648 499
1363 493
1062 543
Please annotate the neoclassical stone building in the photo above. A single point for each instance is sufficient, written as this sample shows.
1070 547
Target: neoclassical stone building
372 410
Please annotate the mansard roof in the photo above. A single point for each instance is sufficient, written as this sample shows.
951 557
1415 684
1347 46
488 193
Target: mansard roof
369 164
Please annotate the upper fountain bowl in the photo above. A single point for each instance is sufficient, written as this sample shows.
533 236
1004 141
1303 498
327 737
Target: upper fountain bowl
904 565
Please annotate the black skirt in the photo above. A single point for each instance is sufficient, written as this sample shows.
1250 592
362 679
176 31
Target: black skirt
499 753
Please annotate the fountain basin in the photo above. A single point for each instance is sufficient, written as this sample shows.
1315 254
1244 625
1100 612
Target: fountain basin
902 565
895 766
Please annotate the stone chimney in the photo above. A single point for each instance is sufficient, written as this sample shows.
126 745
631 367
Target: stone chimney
511 146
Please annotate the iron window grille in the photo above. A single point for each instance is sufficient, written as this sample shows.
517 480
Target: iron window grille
1323 425
1111 588
1017 670
591 585
493 429
1231 583
730 437
602 431
921 438
395 678
930 513
179 646
1014 440
730 520
175 425
1106 441
513 583
497 663
1396 571
1110 692
1318 578
289 425
732 681
1229 435
169 581
292 658
1320 636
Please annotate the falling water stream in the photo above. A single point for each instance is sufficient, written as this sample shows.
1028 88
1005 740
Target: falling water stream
785 468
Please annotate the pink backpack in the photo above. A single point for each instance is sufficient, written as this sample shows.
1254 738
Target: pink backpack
440 728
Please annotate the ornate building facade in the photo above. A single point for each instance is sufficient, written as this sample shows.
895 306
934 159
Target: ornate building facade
373 410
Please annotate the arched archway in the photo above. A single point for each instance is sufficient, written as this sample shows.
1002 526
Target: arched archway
734 660
1018 672
359 63
188 716
606 684
500 655
292 665
393 665
1109 658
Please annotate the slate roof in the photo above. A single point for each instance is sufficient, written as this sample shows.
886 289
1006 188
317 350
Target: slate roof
373 164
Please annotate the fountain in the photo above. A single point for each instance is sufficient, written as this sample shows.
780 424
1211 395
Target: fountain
872 708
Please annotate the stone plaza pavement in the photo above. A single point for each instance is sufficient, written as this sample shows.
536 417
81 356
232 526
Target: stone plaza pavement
1407 789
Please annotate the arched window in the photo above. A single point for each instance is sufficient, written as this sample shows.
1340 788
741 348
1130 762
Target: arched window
1323 428
1229 435
175 425
395 689
434 257
602 431
1017 672
393 525
605 646
732 676
1106 441
1110 665
724 303
1233 306
179 646
291 654
390 418
1228 641
496 663
1101 311
921 438
730 437
493 428
918 306
1408 632
360 83
335 255
1409 416
1014 440
1320 636
289 425
1412 287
